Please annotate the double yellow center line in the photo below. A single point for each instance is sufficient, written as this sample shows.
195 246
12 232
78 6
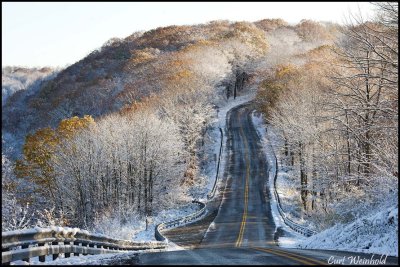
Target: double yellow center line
296 257
246 191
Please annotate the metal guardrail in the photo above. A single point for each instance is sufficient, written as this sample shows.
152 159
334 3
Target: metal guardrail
295 226
40 242
179 222
212 193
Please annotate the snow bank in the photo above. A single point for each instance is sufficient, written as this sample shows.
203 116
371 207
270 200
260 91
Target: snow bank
377 233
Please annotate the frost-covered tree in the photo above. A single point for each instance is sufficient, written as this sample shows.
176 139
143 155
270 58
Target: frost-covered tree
14 214
367 94
15 79
39 149
123 164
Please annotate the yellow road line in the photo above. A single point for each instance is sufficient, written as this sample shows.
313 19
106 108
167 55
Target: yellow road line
303 257
244 218
286 256
296 257
246 192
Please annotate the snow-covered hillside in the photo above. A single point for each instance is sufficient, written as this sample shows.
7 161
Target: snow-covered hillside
376 233
15 79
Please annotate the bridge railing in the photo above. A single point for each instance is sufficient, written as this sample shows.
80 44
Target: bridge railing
40 242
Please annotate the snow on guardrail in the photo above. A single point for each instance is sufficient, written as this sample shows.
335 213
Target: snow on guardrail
180 221
40 242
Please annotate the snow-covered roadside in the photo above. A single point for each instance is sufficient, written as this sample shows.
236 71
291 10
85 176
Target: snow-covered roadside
373 233
376 233
290 237
134 228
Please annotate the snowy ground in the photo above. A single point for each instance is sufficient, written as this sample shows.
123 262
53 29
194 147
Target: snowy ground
376 232
135 228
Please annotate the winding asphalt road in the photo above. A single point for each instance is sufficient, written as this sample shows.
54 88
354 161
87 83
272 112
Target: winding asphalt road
242 231
244 218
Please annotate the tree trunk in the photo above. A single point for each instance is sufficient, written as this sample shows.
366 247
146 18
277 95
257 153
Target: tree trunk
314 178
150 207
348 145
303 178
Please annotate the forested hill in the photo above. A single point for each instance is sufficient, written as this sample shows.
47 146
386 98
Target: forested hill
123 71
163 61
15 79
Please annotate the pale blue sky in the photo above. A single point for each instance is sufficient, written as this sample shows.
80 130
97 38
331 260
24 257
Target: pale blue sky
57 34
